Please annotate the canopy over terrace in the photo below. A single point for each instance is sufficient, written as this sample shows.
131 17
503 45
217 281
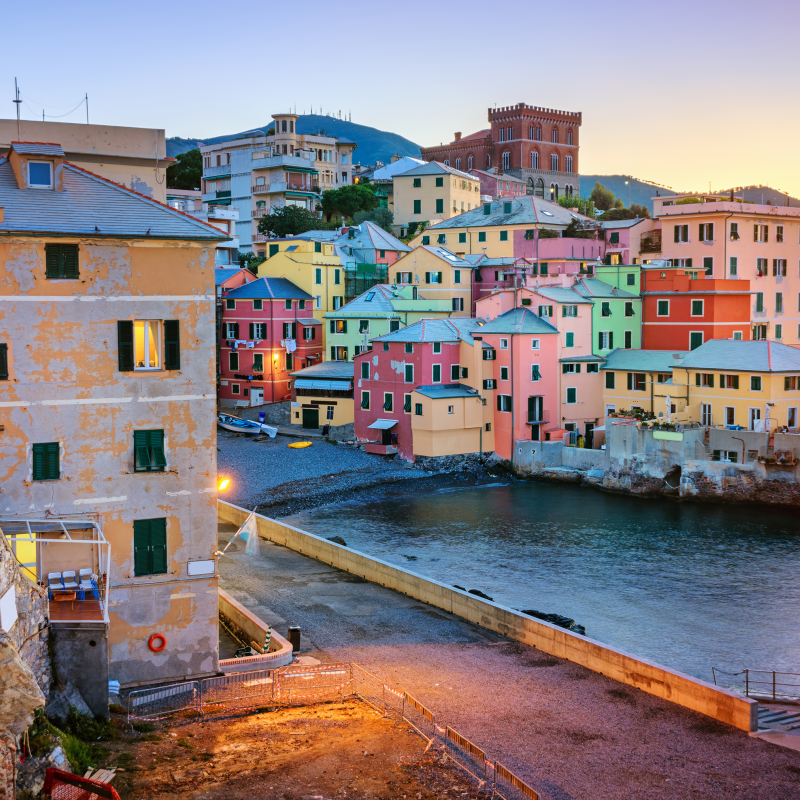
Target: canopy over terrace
44 547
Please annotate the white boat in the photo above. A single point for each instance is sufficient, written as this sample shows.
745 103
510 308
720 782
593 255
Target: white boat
239 425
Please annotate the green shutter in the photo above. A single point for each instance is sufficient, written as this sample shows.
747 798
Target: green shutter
156 442
140 451
409 373
439 207
610 380
3 361
252 330
172 344
716 456
735 381
69 260
427 277
711 381
407 404
439 279
364 399
577 368
333 353
564 368
697 379
125 345
499 399
333 326
46 461
630 381
536 374
344 326
61 261
273 249
141 547
51 261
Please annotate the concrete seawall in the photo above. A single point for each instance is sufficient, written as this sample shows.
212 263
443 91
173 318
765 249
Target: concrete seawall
705 698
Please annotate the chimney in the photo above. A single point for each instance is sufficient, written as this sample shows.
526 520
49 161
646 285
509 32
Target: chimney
396 157
458 136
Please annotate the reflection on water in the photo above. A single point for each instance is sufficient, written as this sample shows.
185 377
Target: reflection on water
690 586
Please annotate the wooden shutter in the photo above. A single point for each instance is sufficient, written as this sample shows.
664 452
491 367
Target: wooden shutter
735 381
38 462
536 374
125 345
427 277
3 361
45 461
611 340
52 259
141 547
252 330
697 379
333 326
787 383
439 277
599 341
677 233
630 381
294 330
69 260
140 451
711 381
333 354
407 404
158 545
285 330
156 444
172 344
344 326
499 402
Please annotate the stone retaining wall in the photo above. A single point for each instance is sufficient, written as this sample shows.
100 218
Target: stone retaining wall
721 704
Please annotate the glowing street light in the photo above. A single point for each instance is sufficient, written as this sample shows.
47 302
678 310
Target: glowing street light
223 484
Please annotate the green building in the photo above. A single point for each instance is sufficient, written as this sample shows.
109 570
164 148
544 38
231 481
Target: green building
616 313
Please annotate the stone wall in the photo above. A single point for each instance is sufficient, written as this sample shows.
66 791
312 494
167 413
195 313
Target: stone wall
274 413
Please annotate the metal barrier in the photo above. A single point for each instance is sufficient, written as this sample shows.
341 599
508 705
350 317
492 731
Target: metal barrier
419 718
151 704
301 684
370 689
60 785
761 684
509 787
467 755
238 690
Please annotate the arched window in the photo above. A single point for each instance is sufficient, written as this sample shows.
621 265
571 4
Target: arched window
569 137
568 190
458 163
554 191
530 132
534 159
554 162
539 192
283 126
568 163
488 160
530 189
446 162
538 135
469 163
555 135
506 160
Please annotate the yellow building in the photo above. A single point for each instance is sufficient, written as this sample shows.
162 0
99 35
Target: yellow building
322 394
440 274
433 191
752 384
641 379
510 227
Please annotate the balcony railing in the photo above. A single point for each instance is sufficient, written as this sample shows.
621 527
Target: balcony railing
216 172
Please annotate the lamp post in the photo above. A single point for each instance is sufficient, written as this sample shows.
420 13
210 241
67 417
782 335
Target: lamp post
628 184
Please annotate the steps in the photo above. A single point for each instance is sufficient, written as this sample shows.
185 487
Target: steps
769 718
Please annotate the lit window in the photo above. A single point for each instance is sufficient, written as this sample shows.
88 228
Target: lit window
147 344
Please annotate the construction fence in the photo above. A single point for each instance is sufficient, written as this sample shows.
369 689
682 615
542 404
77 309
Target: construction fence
296 685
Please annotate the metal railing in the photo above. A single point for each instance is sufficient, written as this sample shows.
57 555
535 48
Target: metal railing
161 701
762 684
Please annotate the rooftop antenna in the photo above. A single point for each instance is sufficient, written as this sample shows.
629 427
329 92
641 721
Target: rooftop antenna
17 101
87 108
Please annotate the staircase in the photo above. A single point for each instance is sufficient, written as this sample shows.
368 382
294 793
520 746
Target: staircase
769 718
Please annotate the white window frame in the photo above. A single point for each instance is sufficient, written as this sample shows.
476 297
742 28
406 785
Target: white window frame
753 417
33 185
610 407
158 325
504 344
702 307
566 395
537 367
534 344
658 304
504 371
604 340
433 367
733 267
318 302
789 415
706 415
732 409
451 410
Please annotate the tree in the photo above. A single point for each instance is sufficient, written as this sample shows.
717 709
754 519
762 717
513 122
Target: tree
250 261
618 203
643 212
617 214
602 198
584 206
575 230
348 200
286 221
382 217
187 172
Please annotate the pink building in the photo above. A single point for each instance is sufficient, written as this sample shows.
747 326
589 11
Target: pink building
501 185
267 331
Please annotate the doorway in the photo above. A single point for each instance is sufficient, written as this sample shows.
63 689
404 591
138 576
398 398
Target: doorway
755 419
311 418
589 436
256 396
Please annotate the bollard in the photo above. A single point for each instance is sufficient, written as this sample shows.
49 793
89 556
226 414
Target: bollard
262 415
294 637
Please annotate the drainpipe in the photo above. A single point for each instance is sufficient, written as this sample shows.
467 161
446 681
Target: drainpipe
742 441
272 352
652 403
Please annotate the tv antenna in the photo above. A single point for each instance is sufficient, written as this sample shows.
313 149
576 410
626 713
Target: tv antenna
17 101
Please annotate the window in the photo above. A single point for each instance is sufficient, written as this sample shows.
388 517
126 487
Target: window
707 232
779 234
231 330
568 164
234 388
318 302
545 311
439 206
760 332
553 163
258 330
437 373
337 278
569 311
629 307
230 303
778 302
503 373
489 355
737 335
555 135
147 344
663 308
365 370
3 361
46 466
407 403
704 379
503 236
637 381
40 175
779 267
697 308
610 380
708 265
233 361
605 340
258 362
534 344
729 381
791 417
536 375
762 266
733 267
572 396
418 206
458 304
388 401
409 347
61 261
506 160
339 353
534 159
455 372
631 280
433 277
488 427
760 233
759 301
318 276
570 369
417 183
755 383
570 339
681 233
730 415
365 400
149 547
628 340
779 331
363 326
504 344
148 451
258 305
734 231
490 384
481 236
504 403
593 368
417 409
409 373
695 339
441 238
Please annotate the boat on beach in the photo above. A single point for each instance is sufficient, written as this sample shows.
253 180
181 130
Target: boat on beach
238 425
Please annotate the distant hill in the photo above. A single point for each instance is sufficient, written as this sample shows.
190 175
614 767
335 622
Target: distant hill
641 191
373 144
762 194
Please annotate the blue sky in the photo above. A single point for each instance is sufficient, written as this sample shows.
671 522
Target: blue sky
681 93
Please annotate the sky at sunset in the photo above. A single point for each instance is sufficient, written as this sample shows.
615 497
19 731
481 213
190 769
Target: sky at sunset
679 93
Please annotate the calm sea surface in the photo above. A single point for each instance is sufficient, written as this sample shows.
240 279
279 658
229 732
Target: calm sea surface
690 586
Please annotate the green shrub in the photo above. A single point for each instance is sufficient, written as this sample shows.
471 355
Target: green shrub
116 708
546 233
144 727
82 755
86 727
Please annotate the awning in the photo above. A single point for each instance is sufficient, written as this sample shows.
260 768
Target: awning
599 428
306 383
383 424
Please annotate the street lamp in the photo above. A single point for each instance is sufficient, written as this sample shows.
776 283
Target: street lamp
223 484
628 184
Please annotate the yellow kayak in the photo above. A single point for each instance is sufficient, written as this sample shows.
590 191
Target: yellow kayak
299 445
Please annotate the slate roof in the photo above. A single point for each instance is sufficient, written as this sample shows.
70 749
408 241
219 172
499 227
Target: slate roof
525 210
481 134
620 223
576 359
312 236
269 289
222 274
94 207
454 329
518 320
442 390
434 168
381 304
482 260
327 369
38 149
446 255
592 287
643 360
559 294
372 237
388 171
743 356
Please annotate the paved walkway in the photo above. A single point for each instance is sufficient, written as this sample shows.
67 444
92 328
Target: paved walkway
570 732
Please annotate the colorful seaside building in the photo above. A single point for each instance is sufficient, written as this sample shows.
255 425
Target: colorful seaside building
268 331
322 394
616 315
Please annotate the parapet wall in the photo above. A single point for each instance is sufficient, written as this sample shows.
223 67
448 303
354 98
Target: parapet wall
721 704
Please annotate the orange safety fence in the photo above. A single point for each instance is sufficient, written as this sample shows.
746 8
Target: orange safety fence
60 785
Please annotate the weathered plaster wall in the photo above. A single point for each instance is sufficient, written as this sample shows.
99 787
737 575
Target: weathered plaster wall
80 658
64 385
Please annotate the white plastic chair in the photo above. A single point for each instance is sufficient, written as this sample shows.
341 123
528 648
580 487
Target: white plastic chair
54 582
87 581
69 580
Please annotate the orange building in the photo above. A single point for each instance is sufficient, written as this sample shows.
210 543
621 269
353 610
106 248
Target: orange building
682 308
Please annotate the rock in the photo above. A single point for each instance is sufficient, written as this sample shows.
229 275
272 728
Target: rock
479 593
337 540
456 586
62 697
410 558
556 619
19 692
58 759
31 774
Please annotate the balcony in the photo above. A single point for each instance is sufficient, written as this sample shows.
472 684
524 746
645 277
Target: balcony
222 171
296 163
210 197
651 243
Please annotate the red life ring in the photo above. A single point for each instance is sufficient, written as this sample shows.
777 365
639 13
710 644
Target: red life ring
161 646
